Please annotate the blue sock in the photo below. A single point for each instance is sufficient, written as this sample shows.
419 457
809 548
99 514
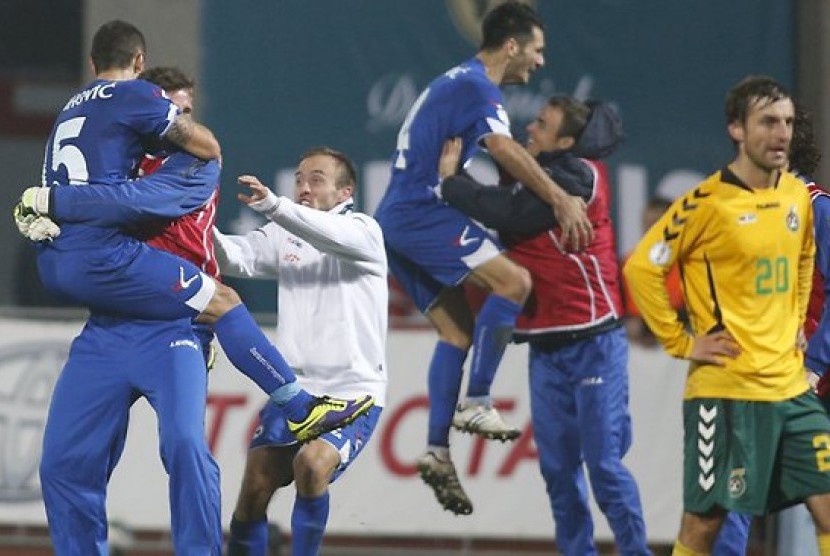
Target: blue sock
308 523
250 351
294 401
444 383
493 330
248 537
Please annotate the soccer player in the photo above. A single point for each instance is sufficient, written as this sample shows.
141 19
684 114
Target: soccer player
804 161
433 248
150 284
176 387
756 437
572 321
333 306
125 284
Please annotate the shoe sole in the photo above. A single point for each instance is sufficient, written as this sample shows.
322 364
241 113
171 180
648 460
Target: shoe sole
438 483
503 436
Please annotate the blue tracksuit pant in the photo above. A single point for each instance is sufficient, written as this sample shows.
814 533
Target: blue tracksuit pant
733 535
579 406
111 363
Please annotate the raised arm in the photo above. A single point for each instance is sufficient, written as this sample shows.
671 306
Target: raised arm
340 232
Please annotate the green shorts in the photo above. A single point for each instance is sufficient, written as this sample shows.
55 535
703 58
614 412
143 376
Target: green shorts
754 457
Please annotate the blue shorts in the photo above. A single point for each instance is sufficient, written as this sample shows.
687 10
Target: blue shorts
349 440
431 246
127 278
112 273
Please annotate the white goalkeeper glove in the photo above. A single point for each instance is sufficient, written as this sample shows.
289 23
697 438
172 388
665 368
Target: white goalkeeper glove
34 227
31 215
35 200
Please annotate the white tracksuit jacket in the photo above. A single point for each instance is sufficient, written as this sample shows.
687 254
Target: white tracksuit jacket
332 293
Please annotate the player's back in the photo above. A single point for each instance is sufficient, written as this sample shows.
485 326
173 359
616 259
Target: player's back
463 103
99 136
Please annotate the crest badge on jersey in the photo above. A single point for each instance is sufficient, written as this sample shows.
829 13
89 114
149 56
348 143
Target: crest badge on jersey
660 253
792 219
737 482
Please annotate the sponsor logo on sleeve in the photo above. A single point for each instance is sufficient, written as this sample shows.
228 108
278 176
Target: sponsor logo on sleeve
660 253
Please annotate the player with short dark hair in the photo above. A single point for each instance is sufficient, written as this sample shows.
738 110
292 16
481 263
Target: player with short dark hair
510 20
433 248
115 45
756 436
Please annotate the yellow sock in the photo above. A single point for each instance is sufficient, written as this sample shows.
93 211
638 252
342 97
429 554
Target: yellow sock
824 545
681 549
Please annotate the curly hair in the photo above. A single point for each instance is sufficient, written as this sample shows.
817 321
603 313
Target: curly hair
805 155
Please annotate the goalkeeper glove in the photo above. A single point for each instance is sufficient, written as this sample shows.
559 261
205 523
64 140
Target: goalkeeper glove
35 200
34 227
23 221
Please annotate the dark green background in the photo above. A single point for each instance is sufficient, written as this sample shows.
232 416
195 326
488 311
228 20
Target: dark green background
289 74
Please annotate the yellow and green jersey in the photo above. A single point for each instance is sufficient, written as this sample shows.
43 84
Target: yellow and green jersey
746 261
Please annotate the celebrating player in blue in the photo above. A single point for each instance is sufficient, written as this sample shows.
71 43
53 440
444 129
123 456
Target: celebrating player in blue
98 138
434 248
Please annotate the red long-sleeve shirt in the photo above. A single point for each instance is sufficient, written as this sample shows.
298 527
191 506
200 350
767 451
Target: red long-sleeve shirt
189 236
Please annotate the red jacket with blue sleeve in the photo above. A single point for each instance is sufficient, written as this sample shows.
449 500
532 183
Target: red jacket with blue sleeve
817 323
189 236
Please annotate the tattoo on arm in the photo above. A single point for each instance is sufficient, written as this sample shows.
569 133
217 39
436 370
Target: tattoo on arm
182 130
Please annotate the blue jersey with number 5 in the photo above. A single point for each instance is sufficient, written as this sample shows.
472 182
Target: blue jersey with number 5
462 102
100 135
